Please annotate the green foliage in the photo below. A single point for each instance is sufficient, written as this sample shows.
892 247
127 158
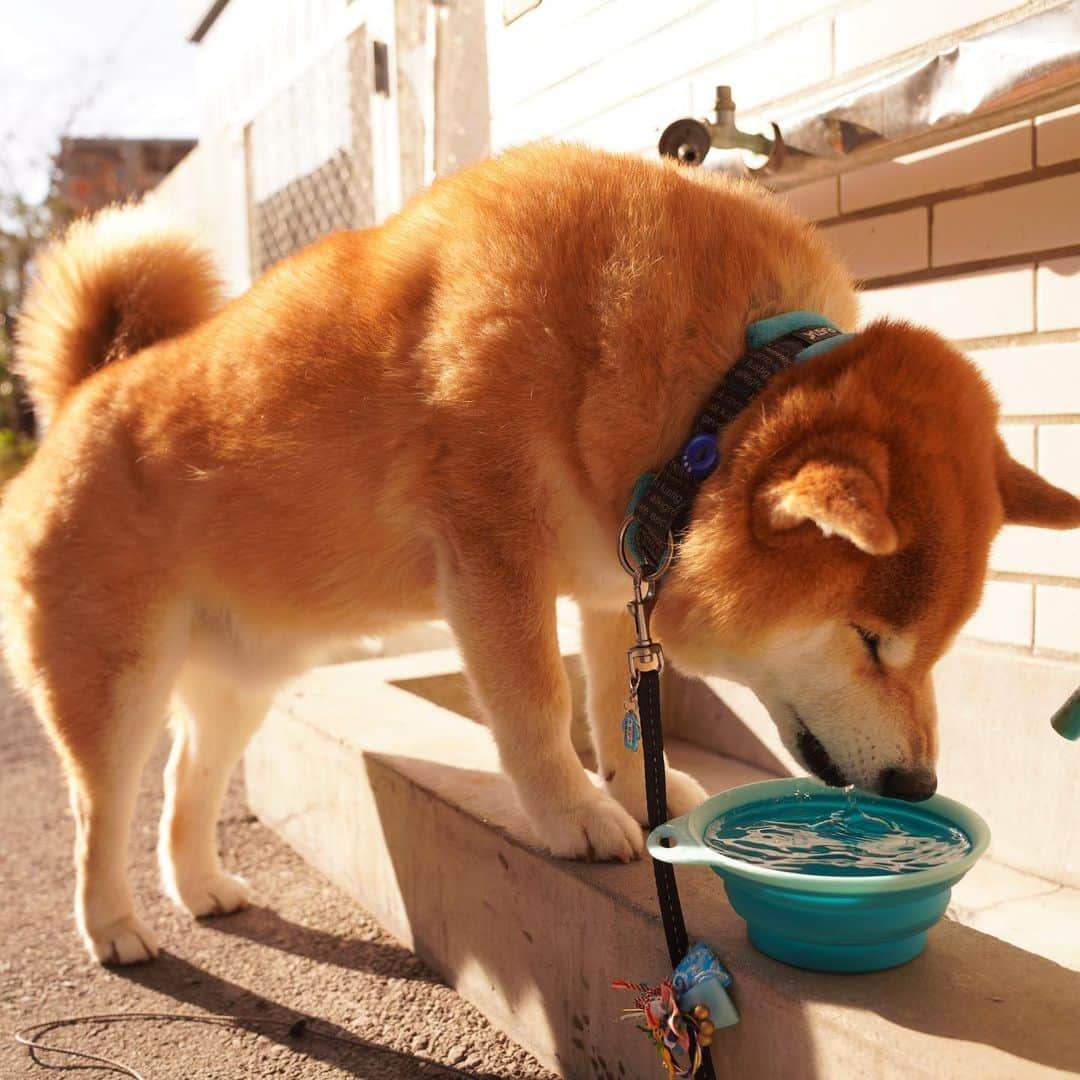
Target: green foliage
15 451
24 227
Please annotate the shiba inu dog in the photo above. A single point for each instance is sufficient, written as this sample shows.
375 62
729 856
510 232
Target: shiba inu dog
447 414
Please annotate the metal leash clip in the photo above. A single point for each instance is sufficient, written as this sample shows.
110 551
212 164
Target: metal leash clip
645 654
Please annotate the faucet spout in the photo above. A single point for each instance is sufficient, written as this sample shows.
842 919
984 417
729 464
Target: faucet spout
1066 721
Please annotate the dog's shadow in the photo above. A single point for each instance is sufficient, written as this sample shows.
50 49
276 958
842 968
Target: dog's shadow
265 927
317 1039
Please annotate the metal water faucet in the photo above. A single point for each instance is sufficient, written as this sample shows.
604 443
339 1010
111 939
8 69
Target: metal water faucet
689 139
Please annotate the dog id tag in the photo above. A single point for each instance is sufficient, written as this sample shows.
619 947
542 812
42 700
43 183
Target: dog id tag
631 727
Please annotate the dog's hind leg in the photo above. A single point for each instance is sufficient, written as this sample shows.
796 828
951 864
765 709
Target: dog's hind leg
104 709
213 720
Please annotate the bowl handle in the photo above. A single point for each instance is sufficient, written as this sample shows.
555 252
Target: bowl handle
673 842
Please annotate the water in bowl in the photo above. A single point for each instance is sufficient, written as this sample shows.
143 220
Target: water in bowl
845 834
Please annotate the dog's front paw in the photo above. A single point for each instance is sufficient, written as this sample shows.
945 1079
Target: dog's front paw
125 941
684 793
597 829
216 894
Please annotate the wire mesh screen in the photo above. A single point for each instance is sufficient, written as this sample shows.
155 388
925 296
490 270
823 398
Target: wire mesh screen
309 156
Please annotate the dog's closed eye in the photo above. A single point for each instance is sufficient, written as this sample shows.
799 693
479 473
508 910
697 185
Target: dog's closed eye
871 640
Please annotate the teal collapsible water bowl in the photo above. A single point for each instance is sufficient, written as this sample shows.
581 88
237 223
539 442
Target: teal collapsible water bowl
827 921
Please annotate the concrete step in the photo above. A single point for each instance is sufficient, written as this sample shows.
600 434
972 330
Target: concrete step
399 801
1039 916
998 751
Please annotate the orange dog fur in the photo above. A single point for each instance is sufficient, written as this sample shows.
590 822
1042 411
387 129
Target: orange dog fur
447 414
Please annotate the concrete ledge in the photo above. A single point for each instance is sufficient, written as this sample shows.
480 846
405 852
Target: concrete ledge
1030 912
400 802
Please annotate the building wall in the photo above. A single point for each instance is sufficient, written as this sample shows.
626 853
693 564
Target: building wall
93 172
979 239
206 193
443 111
294 140
295 119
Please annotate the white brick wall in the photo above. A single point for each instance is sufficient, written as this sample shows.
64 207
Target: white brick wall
1034 380
615 74
1059 454
652 60
1036 552
621 128
1005 614
874 31
774 15
1020 442
205 194
986 304
558 42
800 58
1057 622
1058 293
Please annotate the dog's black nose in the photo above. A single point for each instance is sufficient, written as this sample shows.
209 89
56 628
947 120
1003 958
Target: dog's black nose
914 785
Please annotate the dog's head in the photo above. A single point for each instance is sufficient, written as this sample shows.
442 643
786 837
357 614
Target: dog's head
843 543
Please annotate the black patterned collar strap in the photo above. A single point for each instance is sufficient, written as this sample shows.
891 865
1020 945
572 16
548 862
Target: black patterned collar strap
660 505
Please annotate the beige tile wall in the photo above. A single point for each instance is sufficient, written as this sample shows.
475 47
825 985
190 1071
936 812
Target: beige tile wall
883 245
1021 218
1056 136
966 161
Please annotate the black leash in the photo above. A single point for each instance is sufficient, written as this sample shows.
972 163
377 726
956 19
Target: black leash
667 889
652 747
646 661
659 512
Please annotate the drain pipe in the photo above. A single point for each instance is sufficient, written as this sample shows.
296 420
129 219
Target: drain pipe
1011 73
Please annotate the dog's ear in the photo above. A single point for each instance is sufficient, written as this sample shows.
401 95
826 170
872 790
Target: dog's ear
840 497
1030 500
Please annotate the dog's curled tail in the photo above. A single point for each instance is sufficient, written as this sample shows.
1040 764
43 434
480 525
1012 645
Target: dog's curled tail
111 285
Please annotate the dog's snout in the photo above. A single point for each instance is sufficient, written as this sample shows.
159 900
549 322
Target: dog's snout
914 785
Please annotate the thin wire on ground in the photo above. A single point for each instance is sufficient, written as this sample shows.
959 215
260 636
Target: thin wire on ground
297 1029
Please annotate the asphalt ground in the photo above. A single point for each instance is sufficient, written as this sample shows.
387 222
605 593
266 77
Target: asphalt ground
307 951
